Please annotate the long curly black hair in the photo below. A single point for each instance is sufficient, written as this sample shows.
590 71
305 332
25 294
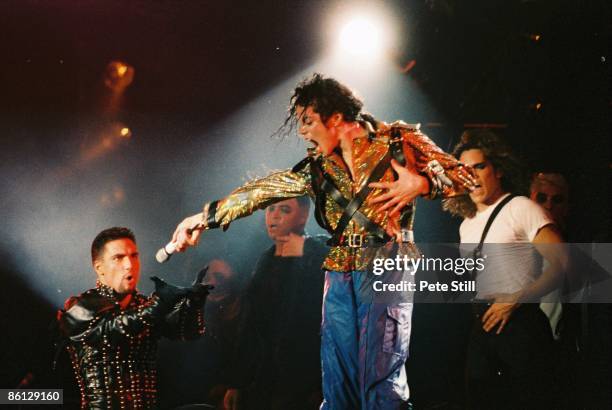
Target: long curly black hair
326 96
513 179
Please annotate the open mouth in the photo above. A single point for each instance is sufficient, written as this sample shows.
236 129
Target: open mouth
312 144
129 278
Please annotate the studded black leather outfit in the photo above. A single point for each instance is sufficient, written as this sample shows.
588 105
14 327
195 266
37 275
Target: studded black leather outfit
113 350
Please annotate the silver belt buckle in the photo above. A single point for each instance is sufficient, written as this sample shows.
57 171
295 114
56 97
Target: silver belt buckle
355 240
407 236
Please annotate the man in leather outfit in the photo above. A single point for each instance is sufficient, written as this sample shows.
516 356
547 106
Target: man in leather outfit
111 331
364 176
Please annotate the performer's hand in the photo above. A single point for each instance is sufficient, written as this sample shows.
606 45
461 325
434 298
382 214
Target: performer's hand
409 185
199 291
231 399
188 232
167 293
290 245
500 311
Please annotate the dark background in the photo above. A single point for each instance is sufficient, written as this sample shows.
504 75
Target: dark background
211 82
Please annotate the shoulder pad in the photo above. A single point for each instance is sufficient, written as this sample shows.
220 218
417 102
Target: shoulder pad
90 303
70 302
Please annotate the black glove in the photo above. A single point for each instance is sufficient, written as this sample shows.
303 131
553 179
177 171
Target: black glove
199 291
168 294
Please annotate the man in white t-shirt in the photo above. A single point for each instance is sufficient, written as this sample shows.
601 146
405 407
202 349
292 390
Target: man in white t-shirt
509 347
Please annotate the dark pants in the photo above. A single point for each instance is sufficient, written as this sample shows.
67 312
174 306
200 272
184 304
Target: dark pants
511 370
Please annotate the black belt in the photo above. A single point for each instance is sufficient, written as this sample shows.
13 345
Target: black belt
360 241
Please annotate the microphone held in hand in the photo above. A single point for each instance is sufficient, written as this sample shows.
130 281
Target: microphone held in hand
166 252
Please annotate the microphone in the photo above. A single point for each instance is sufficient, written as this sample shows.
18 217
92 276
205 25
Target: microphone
166 252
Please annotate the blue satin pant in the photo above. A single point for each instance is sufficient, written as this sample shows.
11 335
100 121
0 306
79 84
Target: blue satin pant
364 346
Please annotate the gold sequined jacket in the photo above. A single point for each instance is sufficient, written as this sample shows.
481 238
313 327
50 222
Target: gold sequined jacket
446 175
113 350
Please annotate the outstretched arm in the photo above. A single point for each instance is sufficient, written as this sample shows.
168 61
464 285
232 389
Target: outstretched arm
91 320
186 320
254 195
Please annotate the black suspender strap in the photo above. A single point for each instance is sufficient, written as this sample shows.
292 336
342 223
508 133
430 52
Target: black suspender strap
327 185
478 250
316 175
318 182
396 146
477 253
302 164
351 208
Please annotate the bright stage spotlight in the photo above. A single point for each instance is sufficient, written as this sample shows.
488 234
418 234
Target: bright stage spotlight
362 36
362 41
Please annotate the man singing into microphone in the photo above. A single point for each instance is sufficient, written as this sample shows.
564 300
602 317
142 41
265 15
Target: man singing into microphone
363 176
111 331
